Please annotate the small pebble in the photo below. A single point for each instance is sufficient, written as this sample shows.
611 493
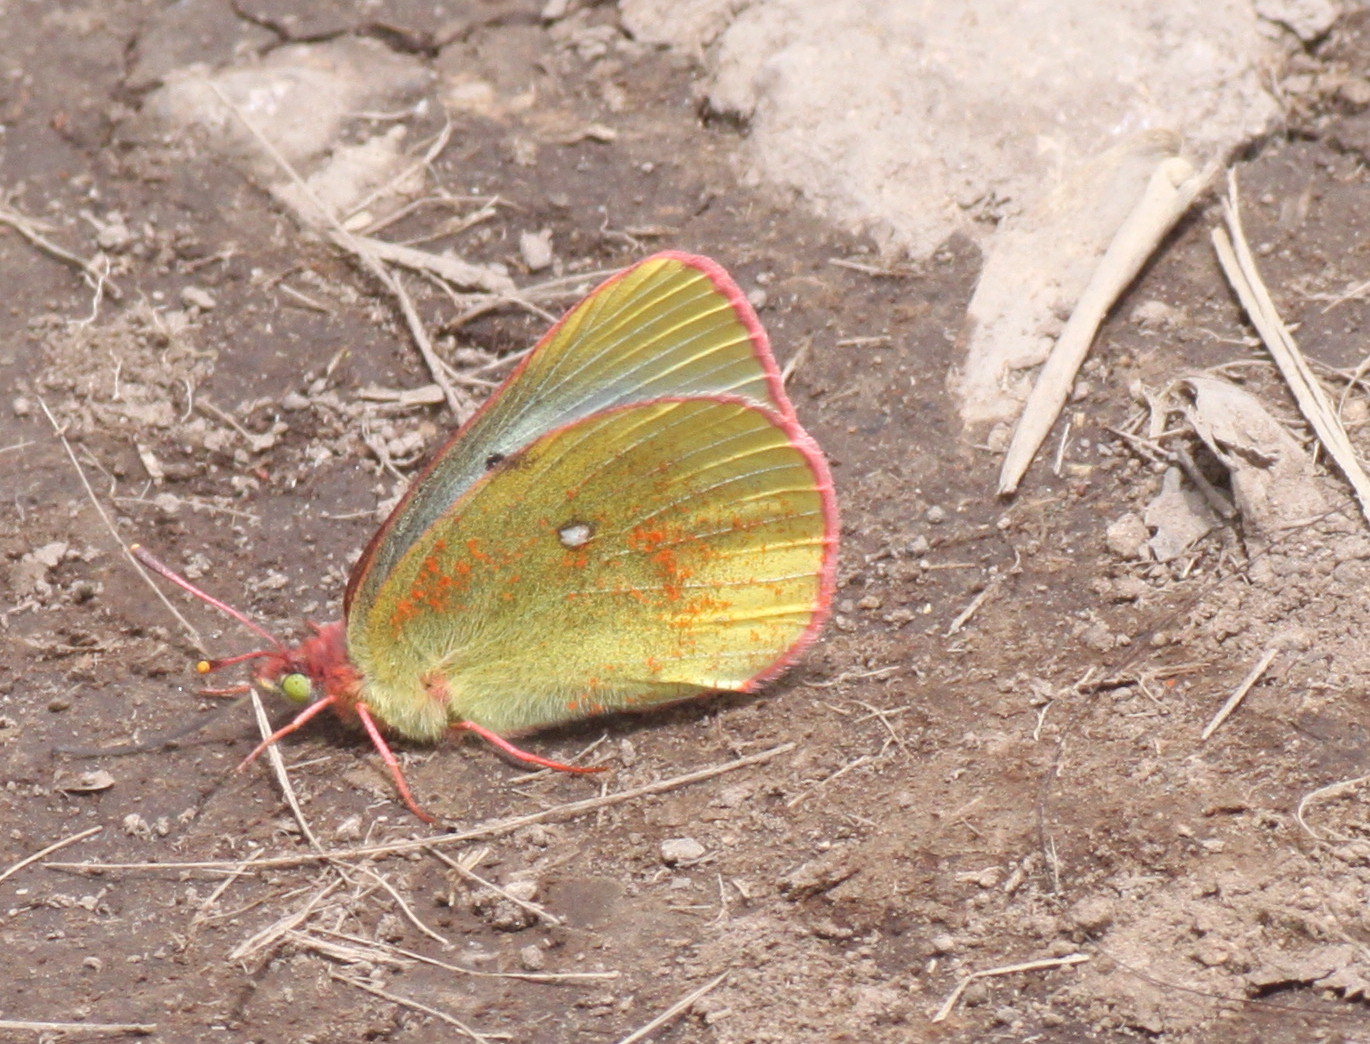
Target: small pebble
678 850
942 943
936 515
536 249
532 958
194 297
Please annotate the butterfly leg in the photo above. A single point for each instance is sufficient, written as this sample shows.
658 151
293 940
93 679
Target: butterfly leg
364 712
285 730
522 755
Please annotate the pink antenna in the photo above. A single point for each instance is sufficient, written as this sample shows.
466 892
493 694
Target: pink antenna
146 558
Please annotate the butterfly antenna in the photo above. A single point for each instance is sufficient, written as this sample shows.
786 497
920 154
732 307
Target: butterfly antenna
149 561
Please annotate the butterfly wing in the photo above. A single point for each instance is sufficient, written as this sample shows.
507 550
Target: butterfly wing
640 555
673 324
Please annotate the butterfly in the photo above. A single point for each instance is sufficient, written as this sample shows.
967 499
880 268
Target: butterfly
634 517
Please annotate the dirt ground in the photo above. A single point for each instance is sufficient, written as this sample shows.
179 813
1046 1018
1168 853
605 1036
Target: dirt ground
932 796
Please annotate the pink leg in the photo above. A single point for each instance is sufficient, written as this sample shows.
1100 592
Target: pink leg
522 755
285 730
364 712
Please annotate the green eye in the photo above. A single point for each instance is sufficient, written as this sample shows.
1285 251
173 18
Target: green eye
297 688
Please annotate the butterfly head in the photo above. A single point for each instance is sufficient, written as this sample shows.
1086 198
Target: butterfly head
315 669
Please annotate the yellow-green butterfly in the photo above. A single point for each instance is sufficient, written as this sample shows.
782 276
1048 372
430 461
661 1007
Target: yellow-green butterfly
634 517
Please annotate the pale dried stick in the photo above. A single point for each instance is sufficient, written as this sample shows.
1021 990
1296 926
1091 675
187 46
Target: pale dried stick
16 867
406 1002
80 1029
203 914
405 908
494 829
1326 793
30 230
670 1013
1008 969
425 959
368 260
540 912
972 608
99 509
273 932
1239 693
1172 188
856 763
1239 266
273 756
349 952
434 150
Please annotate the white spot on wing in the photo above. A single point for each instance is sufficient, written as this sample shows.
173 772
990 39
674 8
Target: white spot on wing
575 534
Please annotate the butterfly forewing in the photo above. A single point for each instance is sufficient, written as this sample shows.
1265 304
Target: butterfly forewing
671 325
639 555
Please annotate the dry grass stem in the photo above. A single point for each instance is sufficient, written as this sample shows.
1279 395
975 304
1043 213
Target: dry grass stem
865 269
451 270
1327 793
16 867
1008 969
79 1029
434 150
972 609
408 912
202 914
1239 266
855 763
797 360
33 231
670 1013
350 952
273 757
499 827
114 532
541 913
364 250
274 932
1239 693
414 955
414 1005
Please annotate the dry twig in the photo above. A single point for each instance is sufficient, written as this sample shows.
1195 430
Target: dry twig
79 1029
670 1013
1008 969
493 829
1239 266
1239 693
1173 186
406 1002
99 509
16 867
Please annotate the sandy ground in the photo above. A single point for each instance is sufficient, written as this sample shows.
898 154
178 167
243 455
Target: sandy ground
932 793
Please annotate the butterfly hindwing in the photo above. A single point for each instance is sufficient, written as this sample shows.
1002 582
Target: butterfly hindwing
638 555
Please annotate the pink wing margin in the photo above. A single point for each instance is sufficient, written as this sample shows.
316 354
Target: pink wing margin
827 573
800 439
